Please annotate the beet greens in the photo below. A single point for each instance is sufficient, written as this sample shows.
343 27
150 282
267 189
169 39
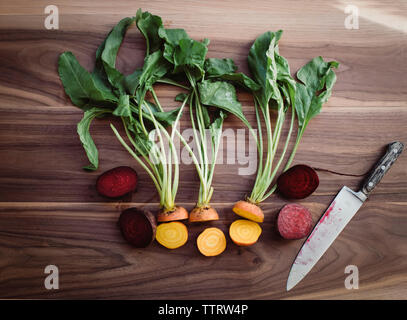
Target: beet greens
172 57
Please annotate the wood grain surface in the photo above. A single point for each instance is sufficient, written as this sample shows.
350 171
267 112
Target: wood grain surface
50 212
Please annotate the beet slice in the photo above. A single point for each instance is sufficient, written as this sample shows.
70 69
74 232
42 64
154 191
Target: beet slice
294 221
298 182
117 182
138 227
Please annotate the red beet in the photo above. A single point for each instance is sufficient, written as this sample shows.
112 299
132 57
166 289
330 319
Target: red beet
117 182
294 221
298 182
138 227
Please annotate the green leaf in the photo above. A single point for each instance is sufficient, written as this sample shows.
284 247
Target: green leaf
261 61
134 106
190 55
215 67
109 53
224 69
303 99
181 97
142 142
149 26
222 95
206 117
151 105
240 79
218 121
285 81
167 118
154 68
132 81
183 52
317 79
99 75
272 72
80 86
105 70
123 107
317 72
215 128
85 137
172 36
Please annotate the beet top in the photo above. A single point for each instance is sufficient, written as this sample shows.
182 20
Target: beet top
138 227
117 182
294 221
298 182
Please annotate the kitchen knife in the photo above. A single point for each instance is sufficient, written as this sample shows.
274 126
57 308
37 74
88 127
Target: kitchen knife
345 205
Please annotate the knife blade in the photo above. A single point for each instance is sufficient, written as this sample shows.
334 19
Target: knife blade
342 209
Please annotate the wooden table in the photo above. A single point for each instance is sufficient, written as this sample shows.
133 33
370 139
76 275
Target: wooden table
50 212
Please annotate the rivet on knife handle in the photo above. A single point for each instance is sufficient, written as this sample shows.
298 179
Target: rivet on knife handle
393 151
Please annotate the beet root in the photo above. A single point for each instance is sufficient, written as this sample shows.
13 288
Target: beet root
298 182
202 214
117 182
294 221
138 227
249 211
177 213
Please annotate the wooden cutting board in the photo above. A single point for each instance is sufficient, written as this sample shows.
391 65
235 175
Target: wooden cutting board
50 212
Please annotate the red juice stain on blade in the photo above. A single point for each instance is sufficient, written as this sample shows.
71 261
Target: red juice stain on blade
326 215
328 211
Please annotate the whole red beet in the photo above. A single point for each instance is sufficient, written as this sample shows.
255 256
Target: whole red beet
294 221
117 182
298 182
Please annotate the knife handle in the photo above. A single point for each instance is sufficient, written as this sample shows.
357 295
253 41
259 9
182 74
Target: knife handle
394 150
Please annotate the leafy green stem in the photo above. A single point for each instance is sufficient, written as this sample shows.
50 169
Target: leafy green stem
140 112
157 102
282 156
143 154
135 156
172 82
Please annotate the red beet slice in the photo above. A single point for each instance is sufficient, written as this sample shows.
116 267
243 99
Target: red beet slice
298 182
294 221
117 182
138 227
